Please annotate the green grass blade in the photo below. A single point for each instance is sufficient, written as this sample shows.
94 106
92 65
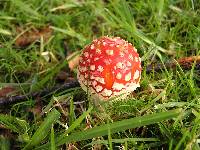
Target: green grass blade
68 5
120 126
26 8
15 124
116 127
43 130
70 32
163 93
4 143
75 124
53 145
110 139
71 112
6 32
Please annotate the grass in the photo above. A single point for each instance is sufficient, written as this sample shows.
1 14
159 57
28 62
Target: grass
163 114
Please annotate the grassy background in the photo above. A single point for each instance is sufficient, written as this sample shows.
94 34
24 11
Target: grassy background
161 30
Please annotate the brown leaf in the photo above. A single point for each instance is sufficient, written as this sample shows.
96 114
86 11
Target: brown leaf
32 35
187 62
5 91
73 60
62 75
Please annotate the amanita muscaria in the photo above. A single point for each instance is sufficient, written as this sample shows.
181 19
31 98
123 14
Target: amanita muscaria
109 67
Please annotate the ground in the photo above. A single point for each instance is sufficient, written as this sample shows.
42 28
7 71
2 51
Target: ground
36 40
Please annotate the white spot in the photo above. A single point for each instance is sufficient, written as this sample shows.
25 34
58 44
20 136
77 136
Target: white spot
119 75
96 58
82 69
104 43
92 77
123 93
98 51
120 65
92 67
100 68
88 60
86 75
86 54
98 42
135 49
129 64
131 86
130 56
128 77
92 46
106 92
109 51
115 93
136 59
137 74
139 59
117 46
107 62
98 88
94 83
111 45
118 86
99 79
126 44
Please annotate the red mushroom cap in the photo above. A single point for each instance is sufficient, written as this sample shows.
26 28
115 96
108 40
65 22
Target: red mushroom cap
109 67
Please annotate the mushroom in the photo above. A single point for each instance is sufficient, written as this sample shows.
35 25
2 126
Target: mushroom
109 67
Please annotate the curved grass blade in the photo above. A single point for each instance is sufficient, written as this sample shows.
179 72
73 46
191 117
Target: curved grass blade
13 123
53 145
115 127
43 130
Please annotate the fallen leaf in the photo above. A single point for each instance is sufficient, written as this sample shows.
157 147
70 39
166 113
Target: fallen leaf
5 91
62 76
187 62
32 35
73 60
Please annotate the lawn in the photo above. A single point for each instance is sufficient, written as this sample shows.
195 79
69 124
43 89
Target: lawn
41 103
